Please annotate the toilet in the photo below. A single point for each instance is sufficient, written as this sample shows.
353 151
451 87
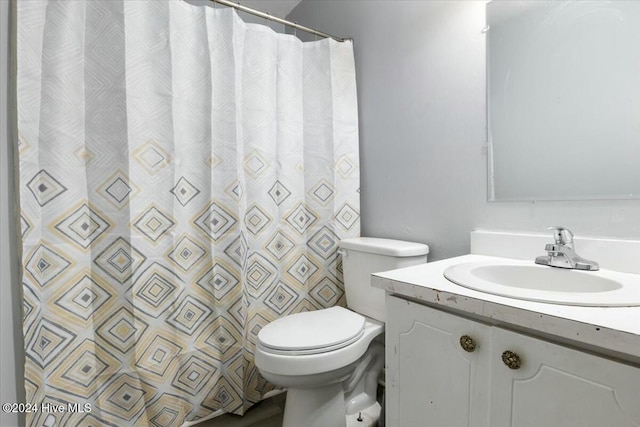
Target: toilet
330 359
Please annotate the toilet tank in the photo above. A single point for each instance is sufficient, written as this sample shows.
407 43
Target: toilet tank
362 256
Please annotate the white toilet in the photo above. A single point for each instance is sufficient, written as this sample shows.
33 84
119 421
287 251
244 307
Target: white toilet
330 360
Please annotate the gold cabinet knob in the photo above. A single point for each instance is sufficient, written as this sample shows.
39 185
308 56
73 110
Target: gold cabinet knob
467 343
511 359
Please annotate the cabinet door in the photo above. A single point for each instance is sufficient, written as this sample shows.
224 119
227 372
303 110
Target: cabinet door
431 380
559 386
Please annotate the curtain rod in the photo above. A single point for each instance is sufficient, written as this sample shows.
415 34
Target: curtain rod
278 20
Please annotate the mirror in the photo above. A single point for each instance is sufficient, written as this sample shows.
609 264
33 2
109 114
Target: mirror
563 91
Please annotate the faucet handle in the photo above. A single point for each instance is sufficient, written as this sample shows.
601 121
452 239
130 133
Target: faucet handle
562 235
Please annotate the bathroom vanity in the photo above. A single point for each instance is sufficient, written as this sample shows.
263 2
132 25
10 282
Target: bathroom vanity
460 357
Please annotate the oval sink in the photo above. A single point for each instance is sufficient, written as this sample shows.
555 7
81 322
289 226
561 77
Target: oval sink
529 281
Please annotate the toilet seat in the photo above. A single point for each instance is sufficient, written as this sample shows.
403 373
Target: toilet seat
312 332
291 363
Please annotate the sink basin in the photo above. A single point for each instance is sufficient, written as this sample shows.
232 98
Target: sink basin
532 282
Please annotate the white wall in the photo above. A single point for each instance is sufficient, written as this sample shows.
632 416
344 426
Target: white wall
11 353
420 67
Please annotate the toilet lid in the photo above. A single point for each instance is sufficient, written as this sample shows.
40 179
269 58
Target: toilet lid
313 331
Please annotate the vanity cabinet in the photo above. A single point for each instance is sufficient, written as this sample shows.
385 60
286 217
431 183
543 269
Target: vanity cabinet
437 379
431 379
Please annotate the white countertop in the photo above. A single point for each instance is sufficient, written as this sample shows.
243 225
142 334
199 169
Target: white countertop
614 331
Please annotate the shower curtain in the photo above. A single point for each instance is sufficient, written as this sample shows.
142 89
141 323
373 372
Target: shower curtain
184 179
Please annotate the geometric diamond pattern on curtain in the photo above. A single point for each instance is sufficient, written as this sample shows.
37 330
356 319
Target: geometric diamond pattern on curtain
184 191
45 265
117 190
155 289
153 223
45 188
120 329
215 221
83 225
279 193
184 180
84 298
120 260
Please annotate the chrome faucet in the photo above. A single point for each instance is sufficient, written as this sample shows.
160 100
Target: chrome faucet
562 253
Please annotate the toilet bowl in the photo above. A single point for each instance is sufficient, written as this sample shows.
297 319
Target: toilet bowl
329 360
314 354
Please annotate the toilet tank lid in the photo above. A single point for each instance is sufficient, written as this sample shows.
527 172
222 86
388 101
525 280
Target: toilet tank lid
388 247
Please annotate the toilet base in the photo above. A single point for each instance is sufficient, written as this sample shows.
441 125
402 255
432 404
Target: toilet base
369 417
325 408
315 407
